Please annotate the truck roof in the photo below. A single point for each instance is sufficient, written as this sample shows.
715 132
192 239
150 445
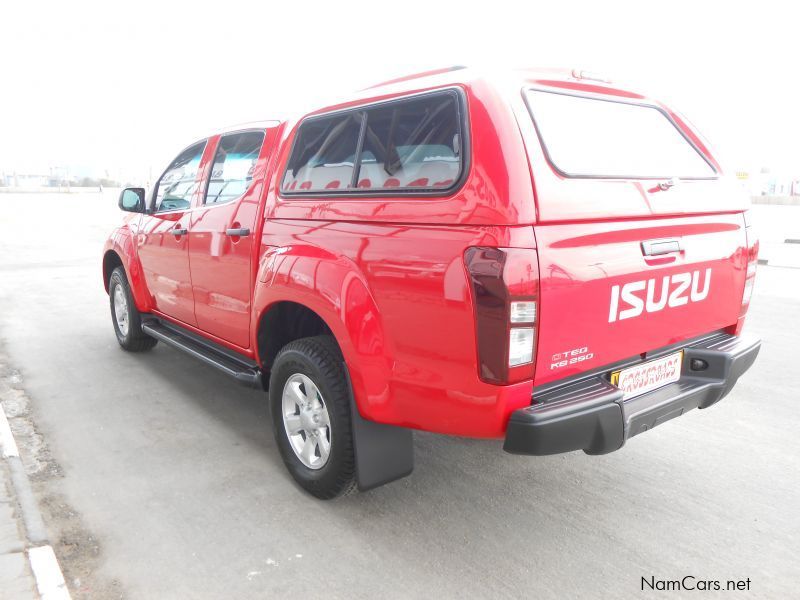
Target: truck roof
564 78
556 77
500 78
261 124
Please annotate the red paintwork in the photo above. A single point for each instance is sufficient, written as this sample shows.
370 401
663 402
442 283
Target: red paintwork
164 259
580 262
387 274
222 267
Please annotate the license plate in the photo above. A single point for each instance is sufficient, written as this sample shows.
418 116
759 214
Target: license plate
648 376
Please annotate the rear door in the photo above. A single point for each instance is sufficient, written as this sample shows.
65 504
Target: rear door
223 236
641 241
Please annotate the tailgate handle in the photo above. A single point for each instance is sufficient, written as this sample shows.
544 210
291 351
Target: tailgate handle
658 247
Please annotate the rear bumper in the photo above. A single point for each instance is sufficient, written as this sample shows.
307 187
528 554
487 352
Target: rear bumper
590 414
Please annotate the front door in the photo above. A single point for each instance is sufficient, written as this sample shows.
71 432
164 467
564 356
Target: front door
164 237
223 237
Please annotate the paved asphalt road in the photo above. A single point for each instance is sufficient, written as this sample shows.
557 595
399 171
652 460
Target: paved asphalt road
160 479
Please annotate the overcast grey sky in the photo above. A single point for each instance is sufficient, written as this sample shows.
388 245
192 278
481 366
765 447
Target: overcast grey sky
126 87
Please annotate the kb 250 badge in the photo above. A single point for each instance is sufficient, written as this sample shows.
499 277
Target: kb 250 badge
570 357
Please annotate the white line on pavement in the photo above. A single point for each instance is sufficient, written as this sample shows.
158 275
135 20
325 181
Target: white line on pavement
7 442
49 579
44 564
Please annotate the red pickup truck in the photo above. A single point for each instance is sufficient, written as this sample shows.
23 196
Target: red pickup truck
538 256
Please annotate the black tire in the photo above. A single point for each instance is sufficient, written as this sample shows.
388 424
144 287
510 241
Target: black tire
135 340
319 359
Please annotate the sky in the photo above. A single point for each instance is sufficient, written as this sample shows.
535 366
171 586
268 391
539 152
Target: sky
125 87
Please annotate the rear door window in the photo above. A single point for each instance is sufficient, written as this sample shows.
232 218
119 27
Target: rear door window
591 137
409 145
234 162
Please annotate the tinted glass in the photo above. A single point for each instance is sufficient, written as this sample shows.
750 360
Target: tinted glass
176 186
412 144
233 167
590 137
323 154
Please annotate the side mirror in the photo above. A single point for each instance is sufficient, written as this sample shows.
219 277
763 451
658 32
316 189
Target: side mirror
132 200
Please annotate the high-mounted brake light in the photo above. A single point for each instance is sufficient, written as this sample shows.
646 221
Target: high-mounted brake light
589 76
505 288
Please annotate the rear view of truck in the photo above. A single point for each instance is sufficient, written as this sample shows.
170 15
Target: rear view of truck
646 266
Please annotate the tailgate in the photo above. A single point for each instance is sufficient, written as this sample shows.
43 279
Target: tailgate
608 294
641 239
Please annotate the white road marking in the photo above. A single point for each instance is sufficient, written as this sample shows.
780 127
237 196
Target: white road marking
49 579
7 442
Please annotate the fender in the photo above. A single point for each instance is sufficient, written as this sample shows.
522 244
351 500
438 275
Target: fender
333 287
123 242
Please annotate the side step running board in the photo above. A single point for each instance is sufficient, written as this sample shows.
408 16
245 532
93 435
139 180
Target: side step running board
240 368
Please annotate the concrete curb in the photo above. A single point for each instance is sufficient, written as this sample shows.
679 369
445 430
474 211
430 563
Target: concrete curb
46 571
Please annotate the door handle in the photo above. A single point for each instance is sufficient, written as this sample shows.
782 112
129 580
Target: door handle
178 231
237 231
659 247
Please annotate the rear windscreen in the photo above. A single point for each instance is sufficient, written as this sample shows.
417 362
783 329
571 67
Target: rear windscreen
589 137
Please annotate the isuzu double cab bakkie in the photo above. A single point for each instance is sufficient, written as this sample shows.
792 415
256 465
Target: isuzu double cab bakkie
534 256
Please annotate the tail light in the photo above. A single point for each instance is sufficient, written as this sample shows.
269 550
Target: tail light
752 264
505 288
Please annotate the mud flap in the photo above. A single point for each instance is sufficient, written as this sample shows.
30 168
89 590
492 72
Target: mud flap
384 453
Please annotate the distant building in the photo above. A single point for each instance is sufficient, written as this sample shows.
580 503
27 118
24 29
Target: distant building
766 183
777 185
38 177
23 180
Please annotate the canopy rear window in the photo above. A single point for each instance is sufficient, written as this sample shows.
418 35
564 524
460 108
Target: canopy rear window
591 137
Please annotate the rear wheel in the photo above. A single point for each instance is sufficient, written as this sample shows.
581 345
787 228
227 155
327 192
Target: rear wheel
124 315
310 404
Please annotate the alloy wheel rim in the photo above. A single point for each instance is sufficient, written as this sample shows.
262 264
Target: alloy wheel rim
121 310
306 421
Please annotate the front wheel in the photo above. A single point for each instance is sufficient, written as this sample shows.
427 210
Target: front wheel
310 404
125 316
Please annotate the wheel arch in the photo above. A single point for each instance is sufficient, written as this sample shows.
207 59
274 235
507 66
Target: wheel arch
119 252
283 322
111 260
327 296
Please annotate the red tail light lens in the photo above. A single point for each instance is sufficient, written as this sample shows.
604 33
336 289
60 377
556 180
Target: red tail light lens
752 263
751 256
505 289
